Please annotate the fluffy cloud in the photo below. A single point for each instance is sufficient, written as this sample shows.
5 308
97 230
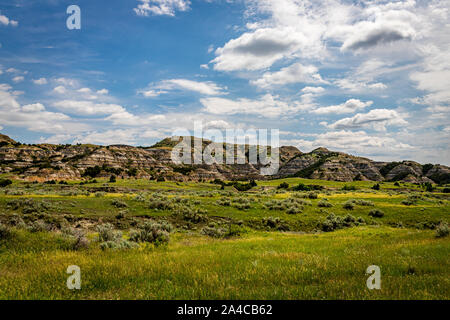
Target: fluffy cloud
34 117
206 88
259 49
358 86
40 81
102 91
18 79
378 119
71 89
128 119
36 107
217 124
380 23
6 21
371 34
267 106
59 89
67 82
313 90
358 142
434 76
109 137
161 7
295 73
349 106
87 107
286 29
7 100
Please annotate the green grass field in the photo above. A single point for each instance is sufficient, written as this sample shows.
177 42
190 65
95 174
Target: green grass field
266 243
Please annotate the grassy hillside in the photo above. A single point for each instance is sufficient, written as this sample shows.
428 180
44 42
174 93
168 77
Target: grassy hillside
265 243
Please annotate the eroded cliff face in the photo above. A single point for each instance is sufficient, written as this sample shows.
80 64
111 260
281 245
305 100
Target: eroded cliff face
63 162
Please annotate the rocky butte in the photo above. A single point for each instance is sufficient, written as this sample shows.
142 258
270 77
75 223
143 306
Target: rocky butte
43 162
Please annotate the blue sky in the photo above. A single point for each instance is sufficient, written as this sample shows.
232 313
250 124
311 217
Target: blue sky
370 78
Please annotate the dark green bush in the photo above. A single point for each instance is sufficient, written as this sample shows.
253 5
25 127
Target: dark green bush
376 213
349 205
408 202
5 232
184 170
275 223
132 172
429 187
283 185
377 186
304 187
92 172
5 183
349 220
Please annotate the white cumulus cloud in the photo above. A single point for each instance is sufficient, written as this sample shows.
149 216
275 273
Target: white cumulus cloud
349 106
378 119
206 88
295 73
161 7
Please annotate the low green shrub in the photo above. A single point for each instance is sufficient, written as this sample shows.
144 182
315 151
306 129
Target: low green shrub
408 202
5 232
214 232
224 202
122 214
365 203
275 223
119 203
313 195
106 233
324 204
349 205
152 232
5 182
332 223
118 245
376 213
283 185
442 230
39 226
294 210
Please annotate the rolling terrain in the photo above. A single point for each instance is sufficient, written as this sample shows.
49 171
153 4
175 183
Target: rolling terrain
142 239
58 162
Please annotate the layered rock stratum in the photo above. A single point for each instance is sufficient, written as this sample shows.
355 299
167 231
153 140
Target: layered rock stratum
62 162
